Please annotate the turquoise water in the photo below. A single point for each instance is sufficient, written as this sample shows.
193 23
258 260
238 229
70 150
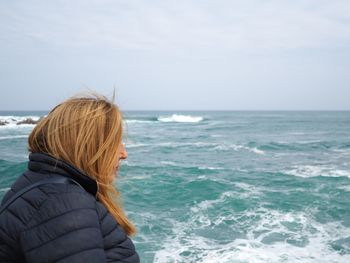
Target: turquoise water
227 186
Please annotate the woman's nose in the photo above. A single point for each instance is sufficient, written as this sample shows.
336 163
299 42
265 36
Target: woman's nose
123 152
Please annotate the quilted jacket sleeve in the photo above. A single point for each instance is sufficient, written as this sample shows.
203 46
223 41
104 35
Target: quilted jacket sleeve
118 246
65 229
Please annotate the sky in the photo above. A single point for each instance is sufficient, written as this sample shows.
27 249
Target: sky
177 55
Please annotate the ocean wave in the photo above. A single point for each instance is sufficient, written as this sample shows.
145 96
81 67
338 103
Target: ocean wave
199 172
128 121
307 171
13 137
15 121
266 235
301 145
242 191
181 165
238 147
345 188
342 151
209 145
180 118
172 144
210 168
172 118
136 145
169 163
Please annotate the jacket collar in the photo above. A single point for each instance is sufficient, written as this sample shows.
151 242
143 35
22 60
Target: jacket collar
44 163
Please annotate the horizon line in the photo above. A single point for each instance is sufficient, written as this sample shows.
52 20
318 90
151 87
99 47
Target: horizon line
207 110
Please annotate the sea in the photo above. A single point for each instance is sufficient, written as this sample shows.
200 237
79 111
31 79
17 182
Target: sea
225 186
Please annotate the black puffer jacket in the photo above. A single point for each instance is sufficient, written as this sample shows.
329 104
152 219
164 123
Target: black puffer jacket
60 222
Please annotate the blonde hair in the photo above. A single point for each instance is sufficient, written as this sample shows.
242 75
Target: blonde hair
86 132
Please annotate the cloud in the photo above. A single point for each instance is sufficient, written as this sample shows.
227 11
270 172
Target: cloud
164 25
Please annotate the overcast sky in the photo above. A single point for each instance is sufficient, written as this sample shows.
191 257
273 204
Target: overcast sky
183 54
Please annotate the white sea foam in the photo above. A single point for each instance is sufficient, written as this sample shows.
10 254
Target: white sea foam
258 245
317 170
13 137
249 191
342 151
210 168
238 147
344 188
136 145
12 121
208 145
217 135
185 144
15 119
256 150
180 118
139 121
13 126
170 163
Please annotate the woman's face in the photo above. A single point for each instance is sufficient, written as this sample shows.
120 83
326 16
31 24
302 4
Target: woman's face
122 155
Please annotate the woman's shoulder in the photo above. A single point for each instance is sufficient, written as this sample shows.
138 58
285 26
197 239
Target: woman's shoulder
43 202
44 211
52 216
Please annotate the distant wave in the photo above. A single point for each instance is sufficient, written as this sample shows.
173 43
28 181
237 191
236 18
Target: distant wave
170 163
299 145
238 147
138 121
180 118
172 118
136 145
14 121
344 188
307 171
13 137
174 165
209 145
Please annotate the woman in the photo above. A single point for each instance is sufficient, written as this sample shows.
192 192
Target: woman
65 207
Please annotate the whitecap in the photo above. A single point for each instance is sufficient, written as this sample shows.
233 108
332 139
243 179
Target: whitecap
180 118
185 144
170 163
307 171
135 145
256 150
11 122
16 119
344 188
238 147
210 168
174 164
14 126
13 137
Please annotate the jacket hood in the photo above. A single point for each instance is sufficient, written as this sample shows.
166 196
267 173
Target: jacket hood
44 163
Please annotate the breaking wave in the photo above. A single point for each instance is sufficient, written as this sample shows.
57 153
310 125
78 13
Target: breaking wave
307 171
269 236
18 121
180 118
209 145
13 137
